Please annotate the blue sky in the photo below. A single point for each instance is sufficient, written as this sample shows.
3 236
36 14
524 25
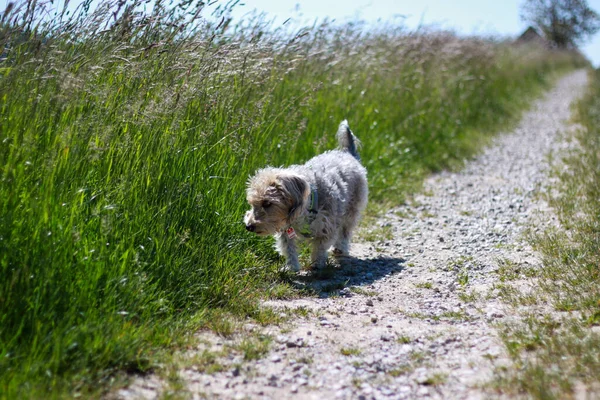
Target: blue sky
463 16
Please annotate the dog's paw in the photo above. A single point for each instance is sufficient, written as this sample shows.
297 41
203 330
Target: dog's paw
339 253
291 267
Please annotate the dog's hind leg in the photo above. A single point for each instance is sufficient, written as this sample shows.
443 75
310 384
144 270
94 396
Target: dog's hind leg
287 248
342 244
319 252
351 217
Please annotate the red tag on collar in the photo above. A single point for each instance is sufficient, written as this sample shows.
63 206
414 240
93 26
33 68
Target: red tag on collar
291 233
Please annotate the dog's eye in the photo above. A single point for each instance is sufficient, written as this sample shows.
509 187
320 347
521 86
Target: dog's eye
266 204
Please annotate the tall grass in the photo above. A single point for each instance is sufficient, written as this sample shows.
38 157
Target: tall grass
126 139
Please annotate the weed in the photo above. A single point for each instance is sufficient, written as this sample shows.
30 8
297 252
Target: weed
418 356
282 291
301 311
463 277
350 351
268 316
455 315
402 214
333 286
222 322
362 291
436 379
427 214
206 362
419 315
404 339
377 234
468 297
424 285
254 347
305 360
400 370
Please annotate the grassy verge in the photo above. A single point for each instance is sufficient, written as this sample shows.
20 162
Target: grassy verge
556 345
126 139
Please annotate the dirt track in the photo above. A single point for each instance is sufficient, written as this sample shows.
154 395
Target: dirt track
416 316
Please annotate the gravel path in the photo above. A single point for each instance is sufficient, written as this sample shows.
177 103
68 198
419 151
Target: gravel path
416 316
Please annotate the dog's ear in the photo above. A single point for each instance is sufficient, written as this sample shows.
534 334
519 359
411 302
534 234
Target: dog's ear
296 189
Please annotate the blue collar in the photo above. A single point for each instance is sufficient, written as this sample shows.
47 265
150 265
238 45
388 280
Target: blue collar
304 230
314 200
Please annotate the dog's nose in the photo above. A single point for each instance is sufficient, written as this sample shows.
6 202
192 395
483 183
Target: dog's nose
251 227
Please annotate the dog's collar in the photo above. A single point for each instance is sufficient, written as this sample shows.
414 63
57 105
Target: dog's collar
313 209
314 200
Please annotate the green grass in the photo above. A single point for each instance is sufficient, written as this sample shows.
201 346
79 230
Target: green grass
424 285
555 350
436 379
254 347
350 351
126 143
363 292
403 339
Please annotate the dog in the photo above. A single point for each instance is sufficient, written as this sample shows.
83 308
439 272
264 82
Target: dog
320 201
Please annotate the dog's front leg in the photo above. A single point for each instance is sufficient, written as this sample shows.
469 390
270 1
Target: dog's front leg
319 252
287 248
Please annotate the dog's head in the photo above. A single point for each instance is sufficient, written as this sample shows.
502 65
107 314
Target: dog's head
277 197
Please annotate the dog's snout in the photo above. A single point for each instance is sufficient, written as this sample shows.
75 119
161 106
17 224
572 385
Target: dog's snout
251 227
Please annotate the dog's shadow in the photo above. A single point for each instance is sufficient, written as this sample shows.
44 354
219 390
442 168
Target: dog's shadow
345 274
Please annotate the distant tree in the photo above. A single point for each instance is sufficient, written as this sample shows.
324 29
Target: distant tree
565 23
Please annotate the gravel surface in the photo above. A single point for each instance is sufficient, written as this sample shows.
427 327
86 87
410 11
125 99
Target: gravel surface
416 316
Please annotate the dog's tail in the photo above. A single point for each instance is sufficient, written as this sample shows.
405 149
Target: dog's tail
347 140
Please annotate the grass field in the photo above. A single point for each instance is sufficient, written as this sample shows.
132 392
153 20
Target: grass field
556 344
126 140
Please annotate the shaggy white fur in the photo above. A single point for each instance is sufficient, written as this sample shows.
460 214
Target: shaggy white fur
320 201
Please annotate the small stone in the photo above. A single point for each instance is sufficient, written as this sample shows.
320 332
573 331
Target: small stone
493 353
374 319
369 303
494 314
404 389
423 391
281 339
294 389
297 343
276 358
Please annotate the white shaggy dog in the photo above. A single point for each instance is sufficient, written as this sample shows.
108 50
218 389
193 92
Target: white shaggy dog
320 201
